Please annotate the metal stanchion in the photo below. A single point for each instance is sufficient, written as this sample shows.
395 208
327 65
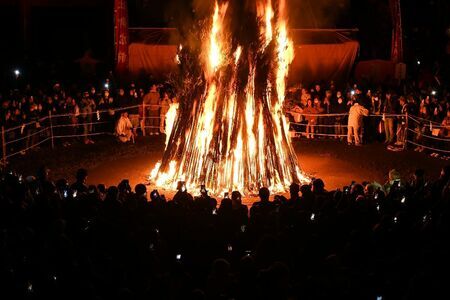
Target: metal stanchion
51 129
405 138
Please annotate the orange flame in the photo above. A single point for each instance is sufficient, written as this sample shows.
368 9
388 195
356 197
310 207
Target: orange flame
235 141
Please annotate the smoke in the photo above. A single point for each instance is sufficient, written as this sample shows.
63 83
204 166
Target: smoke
183 14
316 13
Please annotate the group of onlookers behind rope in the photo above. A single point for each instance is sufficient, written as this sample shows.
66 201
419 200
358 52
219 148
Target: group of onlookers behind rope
28 115
393 117
323 111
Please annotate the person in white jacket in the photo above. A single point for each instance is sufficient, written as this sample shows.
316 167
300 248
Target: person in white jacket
124 128
355 118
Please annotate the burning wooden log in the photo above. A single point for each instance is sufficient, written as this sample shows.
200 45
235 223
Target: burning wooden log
230 132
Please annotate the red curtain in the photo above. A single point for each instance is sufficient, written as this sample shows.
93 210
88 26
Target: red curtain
121 35
375 71
323 62
157 60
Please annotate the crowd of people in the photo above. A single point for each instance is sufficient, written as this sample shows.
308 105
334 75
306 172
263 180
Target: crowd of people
86 241
322 111
326 111
82 112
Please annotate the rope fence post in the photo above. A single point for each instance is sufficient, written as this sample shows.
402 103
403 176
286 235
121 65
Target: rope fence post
51 129
3 146
406 132
143 118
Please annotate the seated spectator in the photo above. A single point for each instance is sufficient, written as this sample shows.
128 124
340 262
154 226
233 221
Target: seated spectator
124 129
445 130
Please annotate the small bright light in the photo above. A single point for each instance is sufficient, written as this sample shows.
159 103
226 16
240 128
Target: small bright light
433 93
106 85
418 62
16 72
352 92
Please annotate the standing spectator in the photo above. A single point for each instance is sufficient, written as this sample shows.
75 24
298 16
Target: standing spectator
327 120
317 92
311 117
304 97
374 122
165 104
33 127
339 108
319 120
110 114
134 113
401 127
74 112
87 108
356 114
122 100
151 105
389 109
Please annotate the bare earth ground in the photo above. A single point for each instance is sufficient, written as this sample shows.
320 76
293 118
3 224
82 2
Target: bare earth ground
336 163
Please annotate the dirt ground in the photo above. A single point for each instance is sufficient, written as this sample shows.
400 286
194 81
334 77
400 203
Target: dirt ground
335 162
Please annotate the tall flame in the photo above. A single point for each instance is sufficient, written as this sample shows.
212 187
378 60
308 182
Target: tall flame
234 135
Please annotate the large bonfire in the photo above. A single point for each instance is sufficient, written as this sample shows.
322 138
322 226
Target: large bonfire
229 131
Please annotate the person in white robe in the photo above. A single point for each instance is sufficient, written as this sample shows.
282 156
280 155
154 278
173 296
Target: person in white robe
124 128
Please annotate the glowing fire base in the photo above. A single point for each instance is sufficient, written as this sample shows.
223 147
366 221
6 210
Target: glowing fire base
229 131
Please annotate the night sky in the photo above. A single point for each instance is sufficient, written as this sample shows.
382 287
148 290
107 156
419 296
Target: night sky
59 34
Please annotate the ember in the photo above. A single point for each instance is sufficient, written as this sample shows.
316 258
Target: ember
230 132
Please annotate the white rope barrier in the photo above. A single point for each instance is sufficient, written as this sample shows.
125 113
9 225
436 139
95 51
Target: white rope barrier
343 115
28 148
82 114
318 115
426 147
427 123
429 136
318 125
95 114
80 124
302 133
425 120
25 124
79 135
26 136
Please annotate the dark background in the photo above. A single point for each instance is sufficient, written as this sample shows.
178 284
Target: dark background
57 33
